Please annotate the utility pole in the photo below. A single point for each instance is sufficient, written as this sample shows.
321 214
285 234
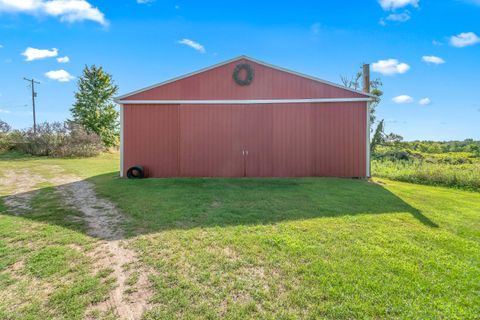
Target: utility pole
366 78
34 95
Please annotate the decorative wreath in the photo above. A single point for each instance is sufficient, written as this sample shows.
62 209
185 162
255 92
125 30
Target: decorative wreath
248 70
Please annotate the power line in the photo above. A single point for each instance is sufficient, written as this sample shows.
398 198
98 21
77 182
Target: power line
34 95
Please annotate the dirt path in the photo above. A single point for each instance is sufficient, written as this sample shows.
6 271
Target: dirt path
130 297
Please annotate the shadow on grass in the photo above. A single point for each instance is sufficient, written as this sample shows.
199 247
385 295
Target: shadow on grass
153 205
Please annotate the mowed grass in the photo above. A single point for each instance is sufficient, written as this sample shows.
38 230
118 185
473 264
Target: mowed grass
304 248
45 272
282 248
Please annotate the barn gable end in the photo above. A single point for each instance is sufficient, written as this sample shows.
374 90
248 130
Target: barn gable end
269 82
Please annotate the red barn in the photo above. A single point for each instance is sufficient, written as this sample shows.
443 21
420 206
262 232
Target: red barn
246 118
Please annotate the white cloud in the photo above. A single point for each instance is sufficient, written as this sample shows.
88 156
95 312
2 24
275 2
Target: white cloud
403 99
66 10
433 59
63 59
424 101
59 75
390 67
1 46
35 54
192 44
395 4
4 111
464 39
396 17
144 1
399 17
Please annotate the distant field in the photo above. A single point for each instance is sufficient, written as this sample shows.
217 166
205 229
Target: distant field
464 176
453 164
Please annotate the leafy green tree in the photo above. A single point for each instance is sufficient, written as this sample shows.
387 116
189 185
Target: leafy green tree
94 107
378 137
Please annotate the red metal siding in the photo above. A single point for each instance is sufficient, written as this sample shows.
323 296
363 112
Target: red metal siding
151 139
339 135
287 140
268 83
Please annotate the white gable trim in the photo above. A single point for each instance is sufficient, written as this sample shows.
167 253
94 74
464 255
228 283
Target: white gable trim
273 101
235 59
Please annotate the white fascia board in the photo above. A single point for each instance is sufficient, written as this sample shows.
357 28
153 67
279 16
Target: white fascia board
272 101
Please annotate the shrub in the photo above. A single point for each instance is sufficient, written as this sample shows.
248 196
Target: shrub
80 143
45 141
58 140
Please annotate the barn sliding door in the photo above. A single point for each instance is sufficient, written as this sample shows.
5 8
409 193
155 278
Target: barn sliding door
211 141
339 132
245 141
226 141
292 143
258 140
277 141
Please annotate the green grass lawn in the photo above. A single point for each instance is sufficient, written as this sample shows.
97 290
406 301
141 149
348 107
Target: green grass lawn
256 248
45 269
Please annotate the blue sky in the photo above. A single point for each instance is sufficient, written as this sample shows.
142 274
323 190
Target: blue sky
145 42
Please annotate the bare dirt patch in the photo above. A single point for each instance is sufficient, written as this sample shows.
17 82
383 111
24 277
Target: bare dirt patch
129 299
21 186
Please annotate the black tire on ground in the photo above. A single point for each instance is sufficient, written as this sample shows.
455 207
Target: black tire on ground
136 172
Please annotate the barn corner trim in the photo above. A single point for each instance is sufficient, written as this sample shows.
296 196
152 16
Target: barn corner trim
122 97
